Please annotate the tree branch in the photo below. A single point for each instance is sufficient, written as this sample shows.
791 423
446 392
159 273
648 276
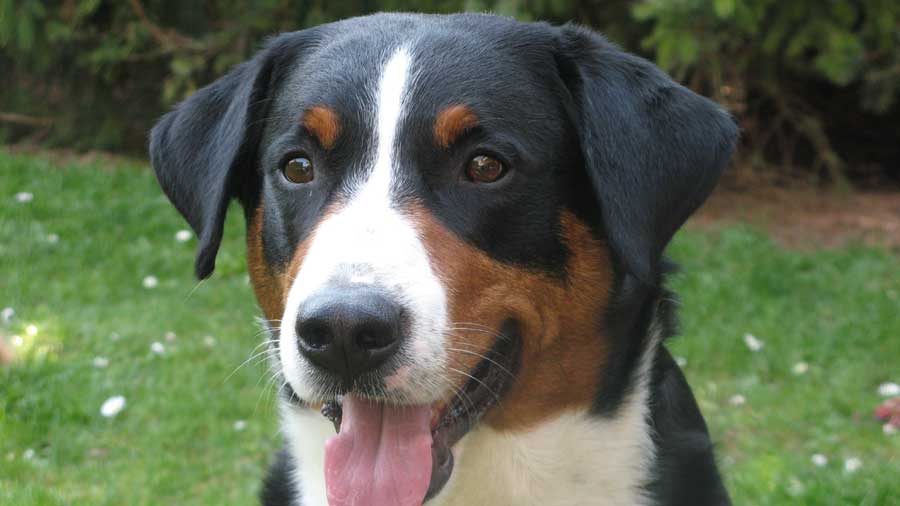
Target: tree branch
21 119
166 38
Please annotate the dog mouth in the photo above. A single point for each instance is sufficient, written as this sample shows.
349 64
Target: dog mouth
401 455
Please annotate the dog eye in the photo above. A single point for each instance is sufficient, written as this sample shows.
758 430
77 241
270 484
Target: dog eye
485 169
298 170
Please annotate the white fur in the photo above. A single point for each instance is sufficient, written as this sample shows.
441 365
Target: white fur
369 242
306 431
572 460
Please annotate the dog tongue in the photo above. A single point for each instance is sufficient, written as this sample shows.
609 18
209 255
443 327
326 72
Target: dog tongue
381 457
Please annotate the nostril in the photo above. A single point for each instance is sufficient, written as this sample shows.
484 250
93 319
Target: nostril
373 337
315 334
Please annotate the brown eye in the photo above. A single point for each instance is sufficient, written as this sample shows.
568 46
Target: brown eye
485 169
298 170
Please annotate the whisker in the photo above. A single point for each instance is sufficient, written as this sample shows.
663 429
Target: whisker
267 391
464 398
194 289
489 389
472 324
267 353
492 361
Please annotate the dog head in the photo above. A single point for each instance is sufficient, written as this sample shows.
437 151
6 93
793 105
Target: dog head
446 216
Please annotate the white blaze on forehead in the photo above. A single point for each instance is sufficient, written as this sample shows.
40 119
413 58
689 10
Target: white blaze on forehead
369 242
391 90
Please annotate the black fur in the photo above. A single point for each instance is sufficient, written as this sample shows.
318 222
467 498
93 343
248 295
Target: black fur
685 471
278 488
584 127
653 148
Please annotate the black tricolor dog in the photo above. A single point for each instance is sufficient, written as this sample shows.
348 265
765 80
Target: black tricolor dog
455 228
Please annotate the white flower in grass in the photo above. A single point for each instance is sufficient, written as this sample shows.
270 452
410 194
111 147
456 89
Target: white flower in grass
737 400
28 454
100 362
240 425
170 336
157 348
150 282
852 465
819 460
889 429
112 406
209 341
31 330
114 336
17 340
752 342
7 314
183 235
97 453
800 368
889 389
24 197
681 361
795 487
52 238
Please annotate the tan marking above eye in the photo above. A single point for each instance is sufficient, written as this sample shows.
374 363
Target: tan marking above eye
452 122
323 123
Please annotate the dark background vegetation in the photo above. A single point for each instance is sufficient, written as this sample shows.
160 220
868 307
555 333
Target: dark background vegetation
814 84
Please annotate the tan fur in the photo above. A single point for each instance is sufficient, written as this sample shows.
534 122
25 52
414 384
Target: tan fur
268 284
323 123
453 122
562 351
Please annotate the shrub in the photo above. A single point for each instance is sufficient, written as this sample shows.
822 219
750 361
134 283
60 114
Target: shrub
814 84
801 74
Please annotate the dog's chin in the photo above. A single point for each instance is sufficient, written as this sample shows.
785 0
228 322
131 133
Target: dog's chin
409 444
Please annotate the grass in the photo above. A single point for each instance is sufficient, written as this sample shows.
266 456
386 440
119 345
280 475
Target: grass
176 441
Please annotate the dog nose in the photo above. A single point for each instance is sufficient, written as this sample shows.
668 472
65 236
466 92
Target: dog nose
349 330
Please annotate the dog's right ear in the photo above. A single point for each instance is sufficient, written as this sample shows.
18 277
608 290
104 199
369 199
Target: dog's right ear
204 151
653 149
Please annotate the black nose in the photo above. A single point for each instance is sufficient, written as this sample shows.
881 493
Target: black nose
349 330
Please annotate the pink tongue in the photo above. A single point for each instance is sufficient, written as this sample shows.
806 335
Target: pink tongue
382 456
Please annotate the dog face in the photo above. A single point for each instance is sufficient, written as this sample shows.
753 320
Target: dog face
455 217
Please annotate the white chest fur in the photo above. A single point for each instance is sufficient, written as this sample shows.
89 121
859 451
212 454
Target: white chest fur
572 460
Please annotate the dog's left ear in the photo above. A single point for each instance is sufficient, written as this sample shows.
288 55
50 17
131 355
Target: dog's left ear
204 151
653 149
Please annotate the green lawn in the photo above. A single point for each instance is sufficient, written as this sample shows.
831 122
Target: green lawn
176 442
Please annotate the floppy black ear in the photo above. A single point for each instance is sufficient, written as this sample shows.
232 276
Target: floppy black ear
654 149
204 151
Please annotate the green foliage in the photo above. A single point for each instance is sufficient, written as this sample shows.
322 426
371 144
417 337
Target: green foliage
780 65
843 41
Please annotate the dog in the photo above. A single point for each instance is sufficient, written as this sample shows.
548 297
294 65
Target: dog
455 232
